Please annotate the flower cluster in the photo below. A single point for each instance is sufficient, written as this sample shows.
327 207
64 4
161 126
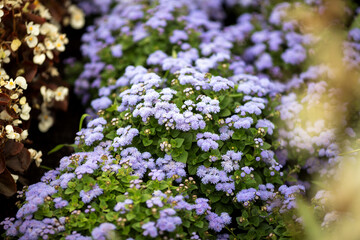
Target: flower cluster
154 138
31 42
183 142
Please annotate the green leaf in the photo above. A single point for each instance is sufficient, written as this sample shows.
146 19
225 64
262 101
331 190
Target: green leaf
238 135
179 142
245 214
188 140
183 157
111 135
254 220
147 142
266 146
60 146
215 197
112 108
224 103
110 216
279 230
175 133
192 169
186 223
224 113
199 224
69 191
130 216
356 22
220 208
82 120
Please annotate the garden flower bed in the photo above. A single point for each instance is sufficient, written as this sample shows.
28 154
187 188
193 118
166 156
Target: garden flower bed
203 120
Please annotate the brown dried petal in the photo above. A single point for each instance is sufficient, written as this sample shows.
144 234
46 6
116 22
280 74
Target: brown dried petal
7 184
30 71
12 148
11 112
19 163
34 18
62 105
4 99
2 163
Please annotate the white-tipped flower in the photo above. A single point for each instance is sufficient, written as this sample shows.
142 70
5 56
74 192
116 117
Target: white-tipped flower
4 55
22 100
77 18
31 41
10 84
24 134
21 81
39 56
14 96
16 108
15 44
59 45
32 29
3 75
49 45
49 29
61 93
48 94
43 11
46 121
16 122
1 11
25 112
15 177
36 155
10 133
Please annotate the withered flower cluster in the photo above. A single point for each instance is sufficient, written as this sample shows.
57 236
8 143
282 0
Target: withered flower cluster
30 84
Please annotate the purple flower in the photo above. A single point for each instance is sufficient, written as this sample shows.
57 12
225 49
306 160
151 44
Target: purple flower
246 195
116 50
103 231
264 123
207 140
157 175
178 35
237 122
294 55
167 222
150 229
201 206
101 103
76 236
216 222
86 197
60 203
154 201
121 206
264 62
354 34
156 58
126 136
